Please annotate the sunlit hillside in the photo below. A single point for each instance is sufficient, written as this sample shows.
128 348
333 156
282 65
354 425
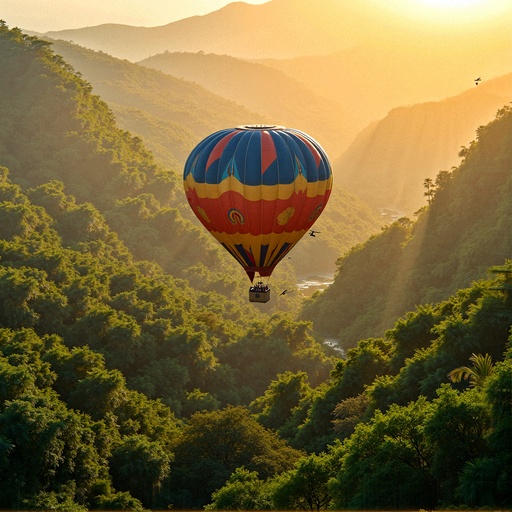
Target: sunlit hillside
466 228
388 162
172 114
265 90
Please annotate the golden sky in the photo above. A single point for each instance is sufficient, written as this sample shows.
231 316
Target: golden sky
46 15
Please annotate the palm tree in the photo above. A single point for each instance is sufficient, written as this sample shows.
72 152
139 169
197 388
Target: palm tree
429 185
482 368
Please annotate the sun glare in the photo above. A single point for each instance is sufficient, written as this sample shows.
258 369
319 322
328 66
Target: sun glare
451 3
449 12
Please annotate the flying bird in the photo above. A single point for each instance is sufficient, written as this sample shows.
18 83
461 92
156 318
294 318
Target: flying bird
312 233
478 80
284 292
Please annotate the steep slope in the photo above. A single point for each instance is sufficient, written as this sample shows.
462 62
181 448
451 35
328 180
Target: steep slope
387 162
53 128
148 106
151 103
265 90
466 229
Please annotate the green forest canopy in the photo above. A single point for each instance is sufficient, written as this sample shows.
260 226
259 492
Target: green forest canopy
113 370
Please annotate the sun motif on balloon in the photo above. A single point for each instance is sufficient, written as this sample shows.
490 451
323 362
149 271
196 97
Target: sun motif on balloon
235 216
285 216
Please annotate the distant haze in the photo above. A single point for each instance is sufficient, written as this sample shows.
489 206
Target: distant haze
45 15
293 28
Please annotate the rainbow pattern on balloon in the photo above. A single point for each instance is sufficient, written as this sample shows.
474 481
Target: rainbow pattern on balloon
258 189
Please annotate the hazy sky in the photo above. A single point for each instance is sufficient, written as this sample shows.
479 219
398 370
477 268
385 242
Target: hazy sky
45 15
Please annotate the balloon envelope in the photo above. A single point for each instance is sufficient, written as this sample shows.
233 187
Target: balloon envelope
258 189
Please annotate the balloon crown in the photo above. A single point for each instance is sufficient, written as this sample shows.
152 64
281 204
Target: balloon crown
260 127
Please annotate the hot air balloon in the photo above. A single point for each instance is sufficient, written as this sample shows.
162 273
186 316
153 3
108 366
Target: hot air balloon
258 189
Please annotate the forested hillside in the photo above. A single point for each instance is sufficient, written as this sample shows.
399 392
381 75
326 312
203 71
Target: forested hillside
386 165
466 228
392 430
171 114
283 100
53 128
149 111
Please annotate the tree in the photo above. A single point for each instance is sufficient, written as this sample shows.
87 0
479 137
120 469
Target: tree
305 487
387 462
243 491
486 481
214 444
100 393
429 185
348 414
51 447
456 431
482 368
282 396
139 466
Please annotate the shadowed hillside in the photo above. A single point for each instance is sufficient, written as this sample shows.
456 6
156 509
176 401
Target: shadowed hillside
388 161
264 90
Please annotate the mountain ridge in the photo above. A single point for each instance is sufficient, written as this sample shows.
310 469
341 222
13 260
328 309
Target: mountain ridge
270 92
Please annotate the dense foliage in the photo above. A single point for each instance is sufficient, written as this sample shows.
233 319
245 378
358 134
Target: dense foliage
390 430
53 128
465 230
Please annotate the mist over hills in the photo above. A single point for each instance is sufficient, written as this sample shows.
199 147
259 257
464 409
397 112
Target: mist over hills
279 28
388 161
368 80
265 90
363 55
171 116
175 99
